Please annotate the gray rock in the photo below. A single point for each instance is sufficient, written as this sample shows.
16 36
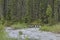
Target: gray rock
31 33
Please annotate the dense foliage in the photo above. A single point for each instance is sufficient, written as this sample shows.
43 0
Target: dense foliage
30 11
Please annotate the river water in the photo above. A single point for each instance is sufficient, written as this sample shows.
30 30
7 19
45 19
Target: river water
31 33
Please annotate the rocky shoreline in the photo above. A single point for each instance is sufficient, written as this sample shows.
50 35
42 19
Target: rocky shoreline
32 34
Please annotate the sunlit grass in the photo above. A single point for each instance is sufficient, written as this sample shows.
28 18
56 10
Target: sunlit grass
19 25
53 28
2 33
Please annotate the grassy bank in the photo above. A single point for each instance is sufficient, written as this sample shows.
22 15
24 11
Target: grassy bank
19 25
53 28
2 33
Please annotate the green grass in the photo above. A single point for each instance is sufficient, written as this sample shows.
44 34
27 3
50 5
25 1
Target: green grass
3 33
26 38
53 28
19 26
